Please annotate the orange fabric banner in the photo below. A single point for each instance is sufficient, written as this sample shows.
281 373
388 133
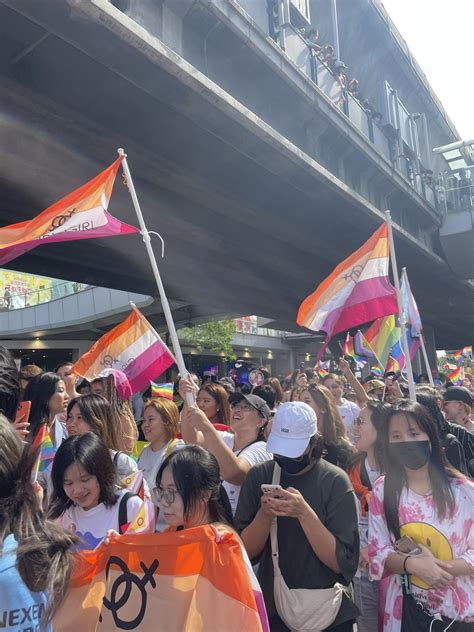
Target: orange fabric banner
185 581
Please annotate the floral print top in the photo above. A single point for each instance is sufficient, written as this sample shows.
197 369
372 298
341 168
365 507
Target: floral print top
449 538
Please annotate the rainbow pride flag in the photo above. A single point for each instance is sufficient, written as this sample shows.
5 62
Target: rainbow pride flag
381 336
162 390
414 343
455 375
393 365
467 351
192 580
376 370
82 214
349 350
457 355
357 291
47 451
131 347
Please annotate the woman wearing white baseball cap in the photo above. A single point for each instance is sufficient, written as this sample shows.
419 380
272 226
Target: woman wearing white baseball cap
297 516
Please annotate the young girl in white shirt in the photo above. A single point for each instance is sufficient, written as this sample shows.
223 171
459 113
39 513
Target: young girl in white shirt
86 498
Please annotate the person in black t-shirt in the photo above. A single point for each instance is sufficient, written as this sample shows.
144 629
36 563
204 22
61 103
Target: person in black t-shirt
317 524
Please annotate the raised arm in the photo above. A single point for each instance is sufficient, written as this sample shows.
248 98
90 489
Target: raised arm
357 387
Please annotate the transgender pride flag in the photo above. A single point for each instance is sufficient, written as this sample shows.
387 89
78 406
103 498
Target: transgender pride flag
132 347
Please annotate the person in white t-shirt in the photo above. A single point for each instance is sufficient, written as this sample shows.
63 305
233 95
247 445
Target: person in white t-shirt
86 498
160 426
348 410
236 451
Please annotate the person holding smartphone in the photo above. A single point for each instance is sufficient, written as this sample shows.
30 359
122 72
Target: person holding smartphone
313 508
422 498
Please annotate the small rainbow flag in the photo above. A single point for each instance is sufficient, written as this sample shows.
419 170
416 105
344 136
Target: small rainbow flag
349 349
321 372
144 520
457 355
47 451
455 375
376 370
162 390
392 365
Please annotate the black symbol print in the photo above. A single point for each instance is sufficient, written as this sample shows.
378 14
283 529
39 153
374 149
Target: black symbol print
354 274
129 579
108 361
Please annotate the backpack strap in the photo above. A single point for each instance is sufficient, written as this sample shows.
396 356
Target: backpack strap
122 512
116 458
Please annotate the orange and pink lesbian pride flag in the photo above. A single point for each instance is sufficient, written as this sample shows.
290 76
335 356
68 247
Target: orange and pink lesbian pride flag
357 291
82 214
186 581
131 347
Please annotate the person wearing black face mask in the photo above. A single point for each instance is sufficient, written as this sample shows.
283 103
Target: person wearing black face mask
314 511
423 497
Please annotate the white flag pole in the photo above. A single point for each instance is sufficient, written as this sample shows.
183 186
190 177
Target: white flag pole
164 300
422 341
401 314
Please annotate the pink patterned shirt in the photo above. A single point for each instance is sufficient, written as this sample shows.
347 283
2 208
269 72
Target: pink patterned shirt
449 538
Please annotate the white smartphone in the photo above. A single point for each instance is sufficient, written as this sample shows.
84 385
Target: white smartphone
271 490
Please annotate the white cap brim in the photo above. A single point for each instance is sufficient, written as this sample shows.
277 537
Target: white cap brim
283 446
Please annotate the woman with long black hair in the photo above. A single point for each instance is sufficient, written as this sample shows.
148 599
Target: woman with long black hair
431 506
49 400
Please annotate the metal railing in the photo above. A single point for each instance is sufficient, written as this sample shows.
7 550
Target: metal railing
19 300
455 194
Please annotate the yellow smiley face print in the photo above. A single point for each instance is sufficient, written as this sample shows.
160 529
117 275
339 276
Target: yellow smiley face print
432 539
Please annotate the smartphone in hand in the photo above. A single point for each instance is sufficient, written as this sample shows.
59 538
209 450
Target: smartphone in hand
271 490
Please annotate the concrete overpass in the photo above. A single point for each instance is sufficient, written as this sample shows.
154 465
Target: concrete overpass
237 164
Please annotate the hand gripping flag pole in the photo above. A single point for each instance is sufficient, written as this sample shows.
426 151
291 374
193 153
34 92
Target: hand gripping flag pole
401 313
164 300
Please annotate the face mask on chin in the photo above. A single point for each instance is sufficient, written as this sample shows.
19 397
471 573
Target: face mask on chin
292 466
411 454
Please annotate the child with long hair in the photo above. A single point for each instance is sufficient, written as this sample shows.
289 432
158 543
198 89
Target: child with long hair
93 413
337 447
424 498
87 499
35 562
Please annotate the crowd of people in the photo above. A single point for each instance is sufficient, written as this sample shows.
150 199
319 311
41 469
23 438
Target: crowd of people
354 503
325 53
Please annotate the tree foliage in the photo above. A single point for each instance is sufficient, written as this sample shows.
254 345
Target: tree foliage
215 336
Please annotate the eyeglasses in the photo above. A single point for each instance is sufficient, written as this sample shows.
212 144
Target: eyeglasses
168 495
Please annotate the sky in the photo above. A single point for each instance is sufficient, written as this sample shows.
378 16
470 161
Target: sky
440 33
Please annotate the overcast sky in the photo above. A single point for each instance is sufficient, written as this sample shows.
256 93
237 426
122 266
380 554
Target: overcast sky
440 34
